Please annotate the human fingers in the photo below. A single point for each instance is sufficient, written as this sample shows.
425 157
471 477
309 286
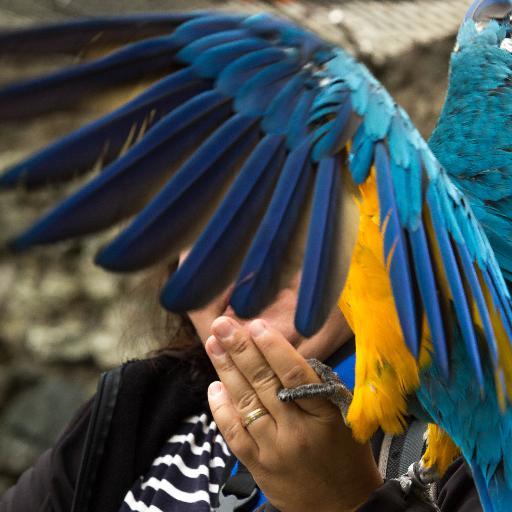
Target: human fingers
226 417
250 362
289 366
242 394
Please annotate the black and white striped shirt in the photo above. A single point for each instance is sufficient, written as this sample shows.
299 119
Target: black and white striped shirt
186 475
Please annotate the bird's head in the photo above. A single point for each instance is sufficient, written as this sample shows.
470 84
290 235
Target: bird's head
482 11
487 23
472 135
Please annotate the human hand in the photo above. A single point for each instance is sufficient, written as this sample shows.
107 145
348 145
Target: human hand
301 454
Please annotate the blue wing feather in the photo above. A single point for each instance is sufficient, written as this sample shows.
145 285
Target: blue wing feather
361 156
236 75
477 294
334 93
202 26
198 279
318 291
212 62
198 47
398 142
340 132
499 300
73 36
298 125
378 114
428 289
326 112
261 89
282 107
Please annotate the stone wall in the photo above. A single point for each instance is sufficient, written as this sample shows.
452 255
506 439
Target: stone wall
62 320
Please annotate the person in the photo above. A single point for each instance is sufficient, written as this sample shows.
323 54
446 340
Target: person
150 441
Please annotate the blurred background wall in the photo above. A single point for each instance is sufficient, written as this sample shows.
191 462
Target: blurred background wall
62 320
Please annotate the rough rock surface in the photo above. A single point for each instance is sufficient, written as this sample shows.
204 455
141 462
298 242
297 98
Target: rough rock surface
62 320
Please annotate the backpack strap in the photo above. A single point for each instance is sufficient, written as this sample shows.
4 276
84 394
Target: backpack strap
97 433
397 453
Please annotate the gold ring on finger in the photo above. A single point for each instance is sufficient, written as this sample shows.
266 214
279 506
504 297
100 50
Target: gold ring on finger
254 415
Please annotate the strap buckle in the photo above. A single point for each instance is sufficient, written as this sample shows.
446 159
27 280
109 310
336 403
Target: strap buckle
232 503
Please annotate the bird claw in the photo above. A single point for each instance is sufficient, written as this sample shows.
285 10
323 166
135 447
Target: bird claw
418 482
331 388
426 475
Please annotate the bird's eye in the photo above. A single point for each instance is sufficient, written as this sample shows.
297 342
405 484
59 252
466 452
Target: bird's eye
482 11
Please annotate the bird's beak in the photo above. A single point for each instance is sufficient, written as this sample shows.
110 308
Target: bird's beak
482 11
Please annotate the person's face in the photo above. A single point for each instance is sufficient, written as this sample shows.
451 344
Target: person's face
280 315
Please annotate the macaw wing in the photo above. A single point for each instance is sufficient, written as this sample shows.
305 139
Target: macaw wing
251 151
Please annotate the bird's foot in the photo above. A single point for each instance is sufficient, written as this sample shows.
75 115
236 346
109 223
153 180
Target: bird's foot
418 482
426 475
331 388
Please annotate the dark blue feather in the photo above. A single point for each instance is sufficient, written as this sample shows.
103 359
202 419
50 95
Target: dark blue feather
79 151
198 47
469 271
482 487
127 183
429 293
454 279
260 90
325 113
236 75
65 87
499 303
169 220
198 279
340 132
73 36
281 108
212 62
395 246
320 287
203 26
258 280
298 125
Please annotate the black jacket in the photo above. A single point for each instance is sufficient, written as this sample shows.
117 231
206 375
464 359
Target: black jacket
115 437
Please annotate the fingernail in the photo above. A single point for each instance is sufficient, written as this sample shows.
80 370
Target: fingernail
257 328
224 329
215 347
214 388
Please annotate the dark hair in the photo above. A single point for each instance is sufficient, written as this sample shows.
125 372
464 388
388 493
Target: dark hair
174 333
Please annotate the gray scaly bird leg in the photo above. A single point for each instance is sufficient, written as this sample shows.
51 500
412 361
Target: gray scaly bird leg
331 388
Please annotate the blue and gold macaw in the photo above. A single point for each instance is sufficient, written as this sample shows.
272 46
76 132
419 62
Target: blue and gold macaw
270 151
